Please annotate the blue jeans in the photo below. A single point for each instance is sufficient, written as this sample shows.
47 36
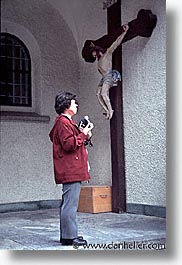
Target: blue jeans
68 210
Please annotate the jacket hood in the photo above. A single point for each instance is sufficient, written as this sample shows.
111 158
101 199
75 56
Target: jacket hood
51 134
53 129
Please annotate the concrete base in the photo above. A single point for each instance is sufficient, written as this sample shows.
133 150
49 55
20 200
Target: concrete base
29 206
142 209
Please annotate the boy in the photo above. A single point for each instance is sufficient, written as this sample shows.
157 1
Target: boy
70 160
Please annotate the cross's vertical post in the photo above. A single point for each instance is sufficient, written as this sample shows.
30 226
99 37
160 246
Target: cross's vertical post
116 123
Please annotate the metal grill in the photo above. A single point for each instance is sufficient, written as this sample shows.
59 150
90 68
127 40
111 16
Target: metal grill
15 77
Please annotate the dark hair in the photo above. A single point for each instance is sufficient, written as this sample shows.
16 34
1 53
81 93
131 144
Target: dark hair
89 47
63 101
98 49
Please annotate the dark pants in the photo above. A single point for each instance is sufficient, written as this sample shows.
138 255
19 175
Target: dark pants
68 210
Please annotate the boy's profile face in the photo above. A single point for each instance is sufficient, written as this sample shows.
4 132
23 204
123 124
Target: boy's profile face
73 107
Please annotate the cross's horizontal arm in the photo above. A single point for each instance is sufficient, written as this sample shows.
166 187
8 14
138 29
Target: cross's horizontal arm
142 26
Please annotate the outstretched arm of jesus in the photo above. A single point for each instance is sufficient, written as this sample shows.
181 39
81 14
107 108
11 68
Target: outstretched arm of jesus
118 41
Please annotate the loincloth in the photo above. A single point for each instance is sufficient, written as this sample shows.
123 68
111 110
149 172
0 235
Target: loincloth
111 78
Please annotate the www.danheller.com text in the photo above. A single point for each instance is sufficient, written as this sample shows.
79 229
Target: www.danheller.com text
124 246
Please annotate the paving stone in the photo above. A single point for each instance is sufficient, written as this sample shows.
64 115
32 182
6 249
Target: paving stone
39 230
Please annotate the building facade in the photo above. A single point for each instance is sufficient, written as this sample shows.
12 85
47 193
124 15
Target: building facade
54 32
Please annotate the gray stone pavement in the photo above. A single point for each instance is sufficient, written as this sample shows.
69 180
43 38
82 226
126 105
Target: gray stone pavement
39 230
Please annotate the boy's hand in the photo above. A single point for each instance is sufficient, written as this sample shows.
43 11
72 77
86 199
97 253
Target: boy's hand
88 128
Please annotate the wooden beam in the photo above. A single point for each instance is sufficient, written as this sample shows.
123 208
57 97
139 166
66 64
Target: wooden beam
116 123
142 26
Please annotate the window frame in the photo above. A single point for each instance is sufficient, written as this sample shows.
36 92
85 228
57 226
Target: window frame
27 74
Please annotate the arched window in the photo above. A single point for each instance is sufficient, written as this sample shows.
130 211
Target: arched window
15 74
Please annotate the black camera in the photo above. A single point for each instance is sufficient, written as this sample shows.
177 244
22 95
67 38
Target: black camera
84 122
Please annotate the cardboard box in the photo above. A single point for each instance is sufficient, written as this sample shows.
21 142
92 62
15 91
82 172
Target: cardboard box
95 199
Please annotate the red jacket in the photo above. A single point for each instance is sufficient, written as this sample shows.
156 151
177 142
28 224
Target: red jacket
69 152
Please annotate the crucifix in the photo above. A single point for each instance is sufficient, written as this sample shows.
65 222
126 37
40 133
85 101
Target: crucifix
142 26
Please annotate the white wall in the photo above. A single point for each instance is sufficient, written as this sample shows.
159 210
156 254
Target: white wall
54 32
144 75
26 161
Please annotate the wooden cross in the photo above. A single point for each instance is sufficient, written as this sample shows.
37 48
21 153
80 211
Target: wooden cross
142 26
116 123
